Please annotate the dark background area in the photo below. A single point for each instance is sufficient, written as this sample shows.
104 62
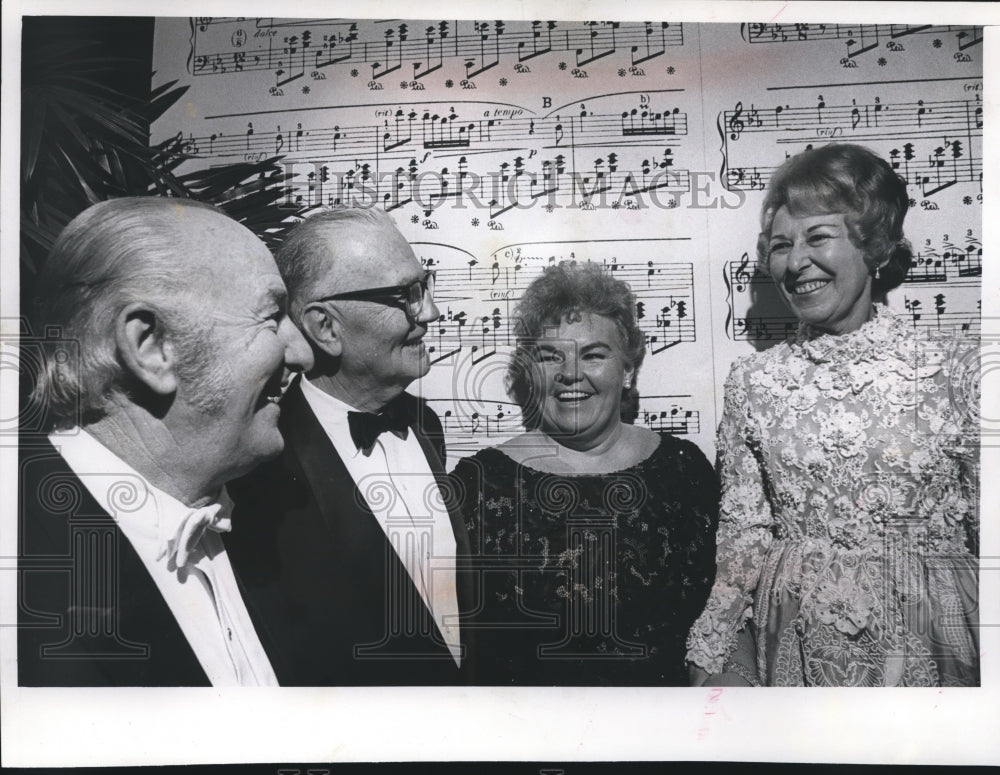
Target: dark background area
100 55
87 104
88 101
128 38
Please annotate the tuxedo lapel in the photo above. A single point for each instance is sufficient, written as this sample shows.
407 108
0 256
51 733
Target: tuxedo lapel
263 625
141 643
346 581
431 438
334 490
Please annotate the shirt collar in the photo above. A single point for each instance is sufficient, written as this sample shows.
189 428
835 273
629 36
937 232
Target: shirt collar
332 414
333 409
144 511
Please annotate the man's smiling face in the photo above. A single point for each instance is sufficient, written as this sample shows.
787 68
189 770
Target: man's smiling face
382 348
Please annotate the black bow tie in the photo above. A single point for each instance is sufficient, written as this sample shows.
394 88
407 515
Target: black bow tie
367 427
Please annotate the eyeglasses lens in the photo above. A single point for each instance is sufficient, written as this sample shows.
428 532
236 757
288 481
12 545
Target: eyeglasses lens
417 294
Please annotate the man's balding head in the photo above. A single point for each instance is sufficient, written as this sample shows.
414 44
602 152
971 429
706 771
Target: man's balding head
112 254
179 317
368 347
311 257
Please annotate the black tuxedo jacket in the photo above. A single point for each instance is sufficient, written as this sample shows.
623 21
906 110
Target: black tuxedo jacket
316 560
89 613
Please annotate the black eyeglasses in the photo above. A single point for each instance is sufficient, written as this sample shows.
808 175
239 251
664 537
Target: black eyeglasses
412 297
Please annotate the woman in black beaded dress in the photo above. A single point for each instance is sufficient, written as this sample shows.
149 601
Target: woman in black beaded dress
595 538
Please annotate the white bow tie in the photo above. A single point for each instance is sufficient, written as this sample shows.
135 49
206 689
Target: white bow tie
178 541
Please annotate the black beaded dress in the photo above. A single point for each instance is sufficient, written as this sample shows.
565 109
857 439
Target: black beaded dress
589 579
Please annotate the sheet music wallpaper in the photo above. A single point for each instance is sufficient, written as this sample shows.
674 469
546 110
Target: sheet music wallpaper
501 147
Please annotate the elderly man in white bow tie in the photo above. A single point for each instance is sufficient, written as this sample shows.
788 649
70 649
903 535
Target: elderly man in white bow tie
167 351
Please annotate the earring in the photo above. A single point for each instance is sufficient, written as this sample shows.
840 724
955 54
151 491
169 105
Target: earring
628 383
877 273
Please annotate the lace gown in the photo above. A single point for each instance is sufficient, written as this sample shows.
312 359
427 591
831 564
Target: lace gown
589 579
849 519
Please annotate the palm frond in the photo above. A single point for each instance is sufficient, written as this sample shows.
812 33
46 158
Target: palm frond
85 141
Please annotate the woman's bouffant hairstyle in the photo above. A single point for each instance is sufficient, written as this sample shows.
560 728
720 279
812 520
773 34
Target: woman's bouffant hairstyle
850 179
568 291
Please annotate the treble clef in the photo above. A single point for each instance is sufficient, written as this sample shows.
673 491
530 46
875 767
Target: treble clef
741 275
736 125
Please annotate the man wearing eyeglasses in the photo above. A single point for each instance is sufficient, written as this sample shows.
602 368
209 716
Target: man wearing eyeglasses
354 547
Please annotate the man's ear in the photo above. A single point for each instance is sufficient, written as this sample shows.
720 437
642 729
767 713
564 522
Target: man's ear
322 328
143 347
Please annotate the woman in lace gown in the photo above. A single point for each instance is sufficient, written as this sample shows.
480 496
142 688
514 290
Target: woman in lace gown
595 537
849 460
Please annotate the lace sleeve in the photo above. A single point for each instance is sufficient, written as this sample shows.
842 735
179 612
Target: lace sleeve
744 530
962 431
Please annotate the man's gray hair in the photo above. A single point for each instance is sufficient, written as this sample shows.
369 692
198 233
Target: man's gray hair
113 254
309 252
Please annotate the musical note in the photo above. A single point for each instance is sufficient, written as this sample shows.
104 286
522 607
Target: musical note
859 38
600 33
503 168
480 45
651 52
932 162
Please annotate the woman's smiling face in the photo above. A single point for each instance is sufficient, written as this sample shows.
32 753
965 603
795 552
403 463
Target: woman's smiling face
819 271
577 379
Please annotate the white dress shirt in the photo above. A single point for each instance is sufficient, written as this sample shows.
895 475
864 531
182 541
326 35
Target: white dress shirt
399 488
196 578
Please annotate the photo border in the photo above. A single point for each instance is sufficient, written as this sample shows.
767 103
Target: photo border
141 726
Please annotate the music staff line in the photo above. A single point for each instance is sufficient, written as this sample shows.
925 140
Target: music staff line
667 323
483 278
664 306
930 270
948 133
777 328
427 48
933 174
859 38
429 130
494 419
946 165
956 268
512 186
895 119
